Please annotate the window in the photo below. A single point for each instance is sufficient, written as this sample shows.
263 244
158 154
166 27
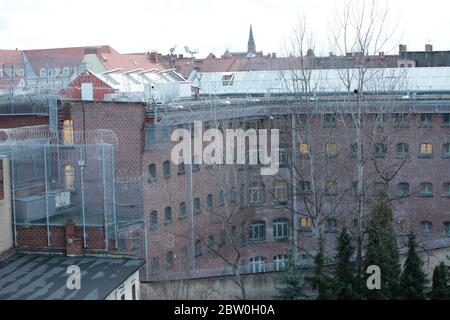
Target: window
227 79
401 119
304 187
68 132
242 234
151 172
447 189
133 292
354 149
169 260
304 150
446 119
182 211
166 168
379 187
426 149
257 230
233 233
329 120
330 149
197 207
257 193
155 265
281 123
43 72
331 188
402 189
425 119
379 149
426 189
66 72
402 149
280 262
280 192
223 237
331 225
69 177
242 195
355 224
426 226
280 229
284 155
305 222
198 248
446 150
211 242
181 169
447 228
303 120
258 264
221 198
154 220
167 215
209 201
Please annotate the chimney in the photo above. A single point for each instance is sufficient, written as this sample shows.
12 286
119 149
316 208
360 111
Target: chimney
74 244
402 48
274 55
154 56
428 47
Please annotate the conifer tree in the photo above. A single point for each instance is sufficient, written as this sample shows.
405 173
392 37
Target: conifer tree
292 281
345 281
320 280
382 251
413 279
441 288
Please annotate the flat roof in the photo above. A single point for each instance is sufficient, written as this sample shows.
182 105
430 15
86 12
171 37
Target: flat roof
44 277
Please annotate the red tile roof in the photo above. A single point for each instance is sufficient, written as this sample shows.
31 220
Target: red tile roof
11 56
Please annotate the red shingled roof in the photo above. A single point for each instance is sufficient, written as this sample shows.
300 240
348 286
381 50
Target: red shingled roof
11 56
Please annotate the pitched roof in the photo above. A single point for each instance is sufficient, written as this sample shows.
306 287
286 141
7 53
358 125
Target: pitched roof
44 277
11 56
127 62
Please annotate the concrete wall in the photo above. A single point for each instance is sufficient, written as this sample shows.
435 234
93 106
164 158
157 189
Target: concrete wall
261 286
6 236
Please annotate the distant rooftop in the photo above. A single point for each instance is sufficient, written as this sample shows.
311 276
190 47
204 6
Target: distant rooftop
43 277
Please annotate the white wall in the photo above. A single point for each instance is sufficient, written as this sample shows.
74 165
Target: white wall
126 289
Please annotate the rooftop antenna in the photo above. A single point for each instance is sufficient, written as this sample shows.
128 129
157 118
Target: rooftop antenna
171 54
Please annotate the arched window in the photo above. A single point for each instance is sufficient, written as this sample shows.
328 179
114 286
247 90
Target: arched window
69 177
167 215
153 220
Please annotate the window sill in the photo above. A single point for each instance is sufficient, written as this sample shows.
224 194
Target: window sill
425 156
167 177
167 222
181 173
446 125
281 239
446 156
425 196
425 125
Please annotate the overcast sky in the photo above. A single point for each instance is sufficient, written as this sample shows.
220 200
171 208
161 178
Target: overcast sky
209 25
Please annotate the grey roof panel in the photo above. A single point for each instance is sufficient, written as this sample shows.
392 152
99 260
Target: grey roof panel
43 277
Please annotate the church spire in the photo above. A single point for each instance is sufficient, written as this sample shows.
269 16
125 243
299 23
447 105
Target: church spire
251 48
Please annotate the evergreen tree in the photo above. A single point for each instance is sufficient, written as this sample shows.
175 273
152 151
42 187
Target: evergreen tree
441 287
413 279
345 285
293 282
320 280
382 251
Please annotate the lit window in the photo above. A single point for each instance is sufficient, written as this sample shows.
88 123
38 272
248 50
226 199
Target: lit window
280 229
330 149
280 192
305 222
426 226
426 189
68 132
426 149
257 230
304 150
69 177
